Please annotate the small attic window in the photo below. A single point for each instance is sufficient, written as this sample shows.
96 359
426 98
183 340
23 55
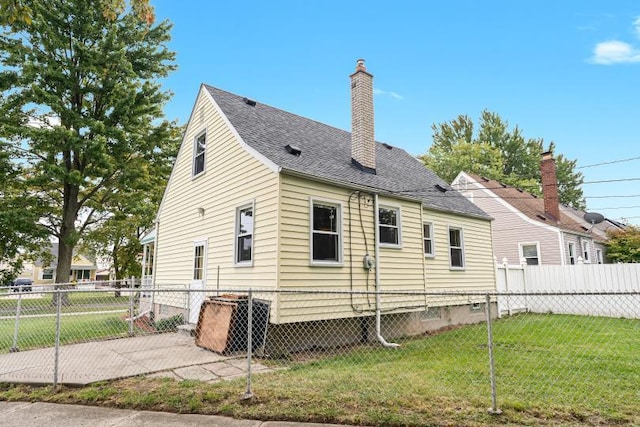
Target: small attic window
387 146
249 101
542 217
440 188
293 150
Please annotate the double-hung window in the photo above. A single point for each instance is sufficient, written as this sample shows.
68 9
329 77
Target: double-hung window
599 257
427 236
572 253
244 235
389 226
199 151
586 250
529 252
456 248
325 233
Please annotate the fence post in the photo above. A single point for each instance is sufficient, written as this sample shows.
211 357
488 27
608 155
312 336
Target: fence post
494 395
131 287
56 360
248 393
505 264
14 347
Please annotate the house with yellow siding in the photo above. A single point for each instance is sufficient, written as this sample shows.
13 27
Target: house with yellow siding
263 199
43 272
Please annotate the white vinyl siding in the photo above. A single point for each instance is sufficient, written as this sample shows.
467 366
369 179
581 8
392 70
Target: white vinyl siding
190 207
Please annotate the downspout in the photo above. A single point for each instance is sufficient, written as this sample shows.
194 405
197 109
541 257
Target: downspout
376 259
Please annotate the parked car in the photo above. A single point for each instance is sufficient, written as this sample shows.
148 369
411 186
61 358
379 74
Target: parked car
26 285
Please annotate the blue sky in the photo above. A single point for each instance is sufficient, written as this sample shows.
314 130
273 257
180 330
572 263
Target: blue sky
566 71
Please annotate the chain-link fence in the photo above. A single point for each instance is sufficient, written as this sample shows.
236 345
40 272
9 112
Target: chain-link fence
542 350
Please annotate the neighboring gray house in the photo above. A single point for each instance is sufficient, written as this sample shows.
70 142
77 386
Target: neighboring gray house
536 230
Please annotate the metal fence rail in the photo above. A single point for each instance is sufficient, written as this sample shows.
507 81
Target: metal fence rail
450 343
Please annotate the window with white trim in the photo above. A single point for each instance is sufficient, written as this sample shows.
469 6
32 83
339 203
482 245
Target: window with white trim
427 237
389 226
572 253
326 239
586 250
529 252
198 261
599 257
244 234
456 248
199 151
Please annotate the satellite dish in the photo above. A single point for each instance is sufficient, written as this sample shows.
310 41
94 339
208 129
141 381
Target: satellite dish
593 218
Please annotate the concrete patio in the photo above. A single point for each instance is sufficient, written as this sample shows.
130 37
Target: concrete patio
164 355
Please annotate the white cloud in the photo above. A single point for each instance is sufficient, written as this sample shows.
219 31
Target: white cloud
390 93
636 26
615 52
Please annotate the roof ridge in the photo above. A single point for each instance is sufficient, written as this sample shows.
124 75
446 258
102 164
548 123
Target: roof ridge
300 116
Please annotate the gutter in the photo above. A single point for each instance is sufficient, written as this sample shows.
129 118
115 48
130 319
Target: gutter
376 259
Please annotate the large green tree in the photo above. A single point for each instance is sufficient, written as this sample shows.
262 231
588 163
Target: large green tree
81 92
132 211
624 245
499 153
21 237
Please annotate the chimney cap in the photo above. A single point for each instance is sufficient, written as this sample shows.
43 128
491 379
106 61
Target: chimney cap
547 155
360 65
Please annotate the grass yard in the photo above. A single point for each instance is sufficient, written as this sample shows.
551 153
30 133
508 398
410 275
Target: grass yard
551 370
38 332
79 301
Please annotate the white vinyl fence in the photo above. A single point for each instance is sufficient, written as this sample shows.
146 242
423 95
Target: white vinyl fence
589 285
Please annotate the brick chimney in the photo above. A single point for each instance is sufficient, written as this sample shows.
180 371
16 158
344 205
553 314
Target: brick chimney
550 186
363 143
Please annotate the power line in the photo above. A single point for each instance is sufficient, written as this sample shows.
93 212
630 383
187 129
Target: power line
608 163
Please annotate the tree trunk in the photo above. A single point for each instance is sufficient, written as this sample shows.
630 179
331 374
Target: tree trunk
66 240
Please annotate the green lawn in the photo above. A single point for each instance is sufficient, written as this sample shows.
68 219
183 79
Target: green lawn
550 370
38 332
78 302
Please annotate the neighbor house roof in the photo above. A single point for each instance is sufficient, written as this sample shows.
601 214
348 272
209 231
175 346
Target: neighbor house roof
325 154
533 206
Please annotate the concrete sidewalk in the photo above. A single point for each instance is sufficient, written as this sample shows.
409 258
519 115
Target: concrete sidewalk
19 414
167 355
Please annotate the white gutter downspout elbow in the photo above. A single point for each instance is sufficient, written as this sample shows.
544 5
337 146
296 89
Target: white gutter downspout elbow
376 260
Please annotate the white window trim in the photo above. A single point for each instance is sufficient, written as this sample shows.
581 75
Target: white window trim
599 256
195 175
536 244
587 250
200 242
340 262
464 262
237 263
432 238
571 245
399 226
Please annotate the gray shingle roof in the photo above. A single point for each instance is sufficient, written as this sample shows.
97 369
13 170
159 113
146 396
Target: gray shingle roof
326 154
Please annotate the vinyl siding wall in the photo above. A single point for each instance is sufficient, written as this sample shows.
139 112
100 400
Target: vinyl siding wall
404 268
232 177
510 229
